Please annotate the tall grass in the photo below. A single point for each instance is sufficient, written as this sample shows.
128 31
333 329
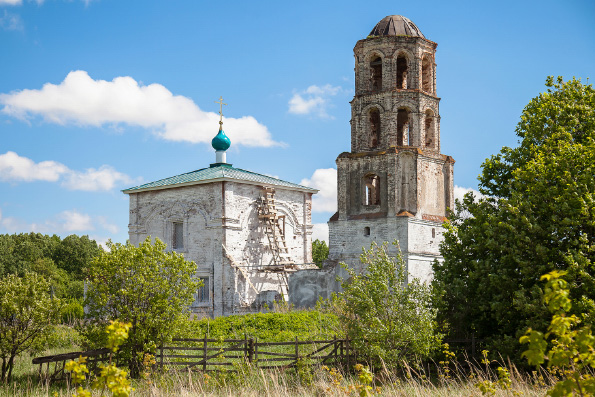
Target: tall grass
429 380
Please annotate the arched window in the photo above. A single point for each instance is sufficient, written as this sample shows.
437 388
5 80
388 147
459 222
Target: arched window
367 231
376 73
402 72
430 129
426 75
374 128
403 128
371 190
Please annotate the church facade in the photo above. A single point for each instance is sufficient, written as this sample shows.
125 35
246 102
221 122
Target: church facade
245 231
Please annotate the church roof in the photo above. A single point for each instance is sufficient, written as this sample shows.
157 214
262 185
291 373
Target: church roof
396 25
216 173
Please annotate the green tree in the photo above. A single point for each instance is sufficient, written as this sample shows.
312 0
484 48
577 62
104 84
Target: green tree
319 252
146 286
26 314
538 216
74 253
571 353
387 317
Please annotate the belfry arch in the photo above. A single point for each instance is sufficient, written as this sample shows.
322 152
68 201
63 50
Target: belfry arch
427 80
404 128
376 73
430 129
402 69
374 126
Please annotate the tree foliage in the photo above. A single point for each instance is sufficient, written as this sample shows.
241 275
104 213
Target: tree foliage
387 317
26 314
571 353
319 252
61 261
538 216
146 286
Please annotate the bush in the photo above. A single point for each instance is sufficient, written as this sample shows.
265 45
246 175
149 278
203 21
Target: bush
387 317
271 327
146 286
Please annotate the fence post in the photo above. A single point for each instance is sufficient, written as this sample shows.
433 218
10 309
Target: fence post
204 354
250 350
297 350
256 350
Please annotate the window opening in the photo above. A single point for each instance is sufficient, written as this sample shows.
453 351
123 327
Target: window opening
402 72
376 73
433 233
426 75
374 128
178 235
366 231
203 293
403 129
429 128
371 190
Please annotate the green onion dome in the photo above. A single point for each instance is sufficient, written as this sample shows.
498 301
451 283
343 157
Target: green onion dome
221 142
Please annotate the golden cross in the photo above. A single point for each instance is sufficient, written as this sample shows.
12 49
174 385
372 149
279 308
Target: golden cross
220 102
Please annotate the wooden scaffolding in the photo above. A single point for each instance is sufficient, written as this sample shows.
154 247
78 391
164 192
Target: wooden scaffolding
275 231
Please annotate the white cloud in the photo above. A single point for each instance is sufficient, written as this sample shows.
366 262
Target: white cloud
320 232
80 100
66 222
459 192
110 227
104 178
15 168
74 221
11 2
325 180
313 100
9 21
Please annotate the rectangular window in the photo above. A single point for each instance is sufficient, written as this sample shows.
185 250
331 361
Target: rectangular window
178 237
203 294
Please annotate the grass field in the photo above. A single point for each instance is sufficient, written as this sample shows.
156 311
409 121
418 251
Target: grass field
307 381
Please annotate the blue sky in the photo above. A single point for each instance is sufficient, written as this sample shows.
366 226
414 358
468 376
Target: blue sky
97 96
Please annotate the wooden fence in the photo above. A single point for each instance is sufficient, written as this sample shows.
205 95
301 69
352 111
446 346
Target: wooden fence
206 354
59 360
211 354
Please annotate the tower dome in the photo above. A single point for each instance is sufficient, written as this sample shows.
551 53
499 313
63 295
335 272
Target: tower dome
221 142
396 25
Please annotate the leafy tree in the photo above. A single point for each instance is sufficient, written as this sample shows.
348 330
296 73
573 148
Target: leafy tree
145 285
19 251
538 216
387 317
26 314
74 253
571 352
319 252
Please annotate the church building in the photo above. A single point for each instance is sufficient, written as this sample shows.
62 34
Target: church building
245 231
394 185
250 234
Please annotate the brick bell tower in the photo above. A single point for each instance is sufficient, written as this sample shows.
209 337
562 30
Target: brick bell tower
394 184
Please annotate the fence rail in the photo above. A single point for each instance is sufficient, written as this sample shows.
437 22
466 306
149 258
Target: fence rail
206 353
214 354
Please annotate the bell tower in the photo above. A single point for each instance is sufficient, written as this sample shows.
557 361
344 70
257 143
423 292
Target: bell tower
394 184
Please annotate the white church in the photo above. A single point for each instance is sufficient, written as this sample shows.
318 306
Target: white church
250 235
